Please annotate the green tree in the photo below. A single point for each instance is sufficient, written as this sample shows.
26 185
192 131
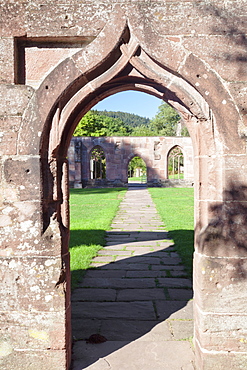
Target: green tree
94 124
135 163
130 119
142 130
165 121
115 127
91 125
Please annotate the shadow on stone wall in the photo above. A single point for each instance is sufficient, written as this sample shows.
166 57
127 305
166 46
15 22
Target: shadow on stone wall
226 233
232 26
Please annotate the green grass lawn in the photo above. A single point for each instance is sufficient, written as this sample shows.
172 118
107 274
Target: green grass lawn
176 177
91 214
176 208
139 178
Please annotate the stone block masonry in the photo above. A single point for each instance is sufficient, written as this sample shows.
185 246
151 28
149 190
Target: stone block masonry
56 62
120 150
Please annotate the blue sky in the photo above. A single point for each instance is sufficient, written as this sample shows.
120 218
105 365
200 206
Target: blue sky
136 102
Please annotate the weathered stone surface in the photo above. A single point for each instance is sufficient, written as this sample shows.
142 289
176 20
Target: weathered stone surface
118 283
191 54
133 329
100 273
126 310
174 310
20 276
182 329
84 327
174 282
180 294
32 329
222 279
29 360
23 173
145 147
232 360
7 62
88 294
163 355
140 294
145 274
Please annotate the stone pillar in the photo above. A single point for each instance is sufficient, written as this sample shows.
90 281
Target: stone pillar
220 264
34 305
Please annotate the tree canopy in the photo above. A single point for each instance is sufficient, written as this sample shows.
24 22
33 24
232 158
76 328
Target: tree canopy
94 124
130 119
104 123
166 120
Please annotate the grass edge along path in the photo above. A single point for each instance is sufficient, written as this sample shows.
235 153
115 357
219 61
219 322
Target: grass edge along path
91 214
176 209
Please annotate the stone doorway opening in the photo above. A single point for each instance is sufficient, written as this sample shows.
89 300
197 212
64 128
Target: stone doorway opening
97 163
175 170
137 171
161 48
123 63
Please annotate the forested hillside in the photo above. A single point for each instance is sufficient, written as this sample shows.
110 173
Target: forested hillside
167 122
132 120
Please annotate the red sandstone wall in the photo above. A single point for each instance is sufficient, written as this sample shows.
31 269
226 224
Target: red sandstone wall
120 150
202 43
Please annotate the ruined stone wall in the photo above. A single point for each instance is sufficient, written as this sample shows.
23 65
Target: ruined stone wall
56 61
120 150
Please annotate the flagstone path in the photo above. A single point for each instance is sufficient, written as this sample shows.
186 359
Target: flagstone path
137 296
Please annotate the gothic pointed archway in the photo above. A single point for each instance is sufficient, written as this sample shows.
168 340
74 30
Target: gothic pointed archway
80 81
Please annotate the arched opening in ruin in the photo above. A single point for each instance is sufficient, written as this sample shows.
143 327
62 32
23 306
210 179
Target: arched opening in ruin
121 63
97 163
69 119
137 171
175 161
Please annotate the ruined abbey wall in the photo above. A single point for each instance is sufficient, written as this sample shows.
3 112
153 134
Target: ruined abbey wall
57 60
118 153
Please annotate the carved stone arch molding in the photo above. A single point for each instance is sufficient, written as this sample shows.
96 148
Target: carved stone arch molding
116 61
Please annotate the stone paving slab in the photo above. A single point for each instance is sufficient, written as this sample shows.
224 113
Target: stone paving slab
97 264
82 328
174 282
150 259
180 294
135 297
86 294
145 273
168 267
134 329
100 273
115 247
182 329
118 283
178 273
182 310
139 251
137 355
107 259
108 252
140 310
140 294
148 243
125 266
